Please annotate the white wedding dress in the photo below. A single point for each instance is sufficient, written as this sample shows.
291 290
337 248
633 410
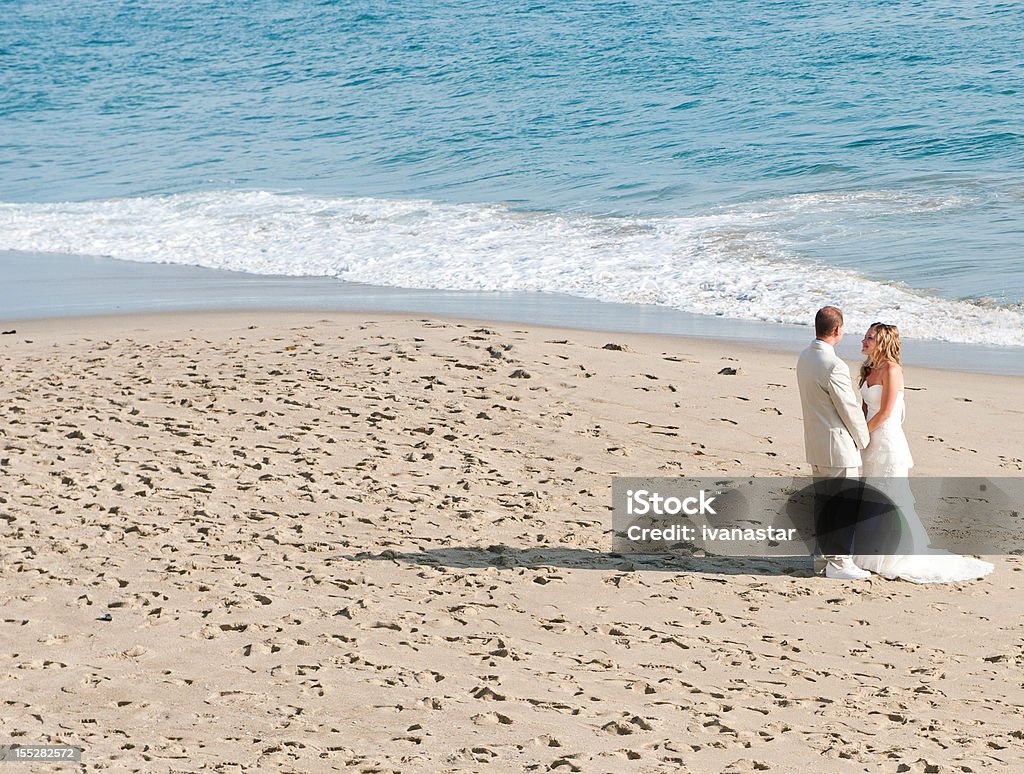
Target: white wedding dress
886 465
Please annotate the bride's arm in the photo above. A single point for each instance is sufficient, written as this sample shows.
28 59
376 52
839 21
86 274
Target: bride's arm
892 383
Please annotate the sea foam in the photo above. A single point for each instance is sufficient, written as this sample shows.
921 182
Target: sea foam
732 262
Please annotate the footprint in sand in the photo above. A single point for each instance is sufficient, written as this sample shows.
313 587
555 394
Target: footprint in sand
491 719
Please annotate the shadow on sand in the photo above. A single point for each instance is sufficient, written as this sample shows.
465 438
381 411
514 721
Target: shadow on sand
510 557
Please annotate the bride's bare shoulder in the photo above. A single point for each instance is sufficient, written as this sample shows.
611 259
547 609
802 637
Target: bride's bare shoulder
891 367
891 373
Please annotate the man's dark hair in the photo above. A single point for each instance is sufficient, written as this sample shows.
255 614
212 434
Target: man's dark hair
827 320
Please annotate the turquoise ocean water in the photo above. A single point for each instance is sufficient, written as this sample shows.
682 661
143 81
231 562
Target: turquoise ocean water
750 160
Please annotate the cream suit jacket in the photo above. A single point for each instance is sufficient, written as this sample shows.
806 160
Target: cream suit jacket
834 426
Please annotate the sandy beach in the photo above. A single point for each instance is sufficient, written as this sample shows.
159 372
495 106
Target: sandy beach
302 542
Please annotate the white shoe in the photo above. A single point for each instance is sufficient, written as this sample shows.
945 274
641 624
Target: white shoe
845 571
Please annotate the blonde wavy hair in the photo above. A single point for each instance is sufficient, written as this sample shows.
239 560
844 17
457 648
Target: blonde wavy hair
887 348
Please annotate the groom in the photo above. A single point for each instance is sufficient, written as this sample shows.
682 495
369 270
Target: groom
834 434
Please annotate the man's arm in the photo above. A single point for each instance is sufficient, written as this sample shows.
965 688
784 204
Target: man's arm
847 404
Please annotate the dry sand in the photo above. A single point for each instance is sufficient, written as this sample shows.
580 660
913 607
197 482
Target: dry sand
295 542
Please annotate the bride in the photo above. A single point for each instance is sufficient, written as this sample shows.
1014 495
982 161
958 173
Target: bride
887 462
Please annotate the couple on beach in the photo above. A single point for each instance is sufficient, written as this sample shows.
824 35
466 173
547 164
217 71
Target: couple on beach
850 433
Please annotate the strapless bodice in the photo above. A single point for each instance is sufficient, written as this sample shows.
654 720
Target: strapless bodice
888 453
872 397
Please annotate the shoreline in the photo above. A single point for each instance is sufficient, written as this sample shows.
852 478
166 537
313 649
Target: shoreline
100 287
